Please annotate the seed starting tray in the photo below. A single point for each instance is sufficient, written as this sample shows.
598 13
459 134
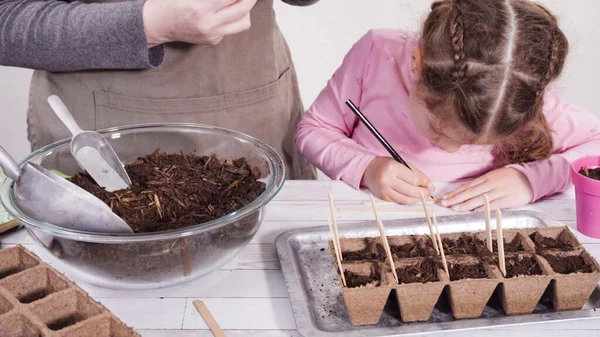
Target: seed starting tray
320 308
38 301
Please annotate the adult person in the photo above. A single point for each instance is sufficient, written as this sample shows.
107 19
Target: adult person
216 62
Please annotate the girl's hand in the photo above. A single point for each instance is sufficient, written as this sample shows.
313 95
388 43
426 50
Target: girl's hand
505 187
392 181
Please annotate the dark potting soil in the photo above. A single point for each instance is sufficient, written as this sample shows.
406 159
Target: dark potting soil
543 243
424 271
510 247
460 271
522 265
418 248
568 264
593 173
465 245
355 280
368 253
171 191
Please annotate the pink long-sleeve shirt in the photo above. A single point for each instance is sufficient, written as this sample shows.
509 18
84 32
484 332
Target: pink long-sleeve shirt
376 76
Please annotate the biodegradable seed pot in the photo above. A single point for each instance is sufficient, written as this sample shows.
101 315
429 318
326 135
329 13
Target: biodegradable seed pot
587 195
171 245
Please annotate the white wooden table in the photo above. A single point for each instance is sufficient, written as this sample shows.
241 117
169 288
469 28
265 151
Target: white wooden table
248 296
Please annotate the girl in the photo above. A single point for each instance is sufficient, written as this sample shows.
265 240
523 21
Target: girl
466 98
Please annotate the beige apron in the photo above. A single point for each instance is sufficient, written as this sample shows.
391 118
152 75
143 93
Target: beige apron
246 83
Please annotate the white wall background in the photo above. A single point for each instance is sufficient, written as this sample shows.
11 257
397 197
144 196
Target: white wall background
320 36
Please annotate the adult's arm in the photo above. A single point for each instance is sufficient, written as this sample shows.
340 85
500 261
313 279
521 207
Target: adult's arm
71 36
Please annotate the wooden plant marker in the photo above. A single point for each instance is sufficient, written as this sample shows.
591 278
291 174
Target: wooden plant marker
383 202
384 241
435 245
488 226
439 240
366 210
335 233
338 254
208 319
500 241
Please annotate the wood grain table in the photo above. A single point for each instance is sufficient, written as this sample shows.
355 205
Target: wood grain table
248 296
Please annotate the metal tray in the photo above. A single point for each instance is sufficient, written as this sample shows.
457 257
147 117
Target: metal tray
311 277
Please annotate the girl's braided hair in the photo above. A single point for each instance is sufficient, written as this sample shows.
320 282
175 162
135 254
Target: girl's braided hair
491 60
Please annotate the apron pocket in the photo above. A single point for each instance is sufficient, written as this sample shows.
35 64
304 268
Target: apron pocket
233 110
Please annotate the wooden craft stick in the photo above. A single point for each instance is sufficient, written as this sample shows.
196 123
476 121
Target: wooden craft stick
365 210
383 202
338 254
384 241
185 256
488 226
9 225
439 240
424 203
500 241
209 319
335 233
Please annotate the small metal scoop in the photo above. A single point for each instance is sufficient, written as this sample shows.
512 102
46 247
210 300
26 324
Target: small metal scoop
92 151
44 195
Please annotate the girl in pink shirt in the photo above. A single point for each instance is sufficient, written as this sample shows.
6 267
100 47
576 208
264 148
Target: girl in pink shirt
466 98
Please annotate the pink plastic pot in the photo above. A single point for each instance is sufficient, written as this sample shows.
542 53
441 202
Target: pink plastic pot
587 194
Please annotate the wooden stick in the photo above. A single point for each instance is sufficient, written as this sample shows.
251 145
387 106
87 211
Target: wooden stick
335 233
365 210
383 202
384 241
439 240
424 203
185 255
500 241
9 225
488 226
208 319
338 254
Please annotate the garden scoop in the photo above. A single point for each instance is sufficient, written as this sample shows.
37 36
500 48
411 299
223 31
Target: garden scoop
46 196
92 151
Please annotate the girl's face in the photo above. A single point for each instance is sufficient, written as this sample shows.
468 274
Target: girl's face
447 135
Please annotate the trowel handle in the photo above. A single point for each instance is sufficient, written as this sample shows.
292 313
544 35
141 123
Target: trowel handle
60 109
9 165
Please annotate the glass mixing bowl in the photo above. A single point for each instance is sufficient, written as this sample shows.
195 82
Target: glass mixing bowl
153 260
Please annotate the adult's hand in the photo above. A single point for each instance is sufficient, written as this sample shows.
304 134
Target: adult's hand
195 21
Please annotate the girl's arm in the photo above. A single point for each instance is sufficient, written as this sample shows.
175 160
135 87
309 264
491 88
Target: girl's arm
69 36
576 134
324 133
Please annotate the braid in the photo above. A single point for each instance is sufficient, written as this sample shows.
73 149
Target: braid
553 62
457 30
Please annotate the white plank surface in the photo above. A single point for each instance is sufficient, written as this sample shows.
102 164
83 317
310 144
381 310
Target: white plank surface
248 296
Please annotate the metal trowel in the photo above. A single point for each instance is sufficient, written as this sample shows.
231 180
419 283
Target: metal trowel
46 196
92 151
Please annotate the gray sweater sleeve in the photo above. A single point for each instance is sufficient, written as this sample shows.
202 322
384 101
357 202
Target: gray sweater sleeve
71 36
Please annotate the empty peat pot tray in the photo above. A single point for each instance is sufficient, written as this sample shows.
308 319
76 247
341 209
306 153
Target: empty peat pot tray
36 300
549 276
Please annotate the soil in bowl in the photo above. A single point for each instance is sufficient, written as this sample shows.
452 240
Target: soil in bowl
543 243
568 264
421 272
460 271
171 191
354 280
522 265
593 173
